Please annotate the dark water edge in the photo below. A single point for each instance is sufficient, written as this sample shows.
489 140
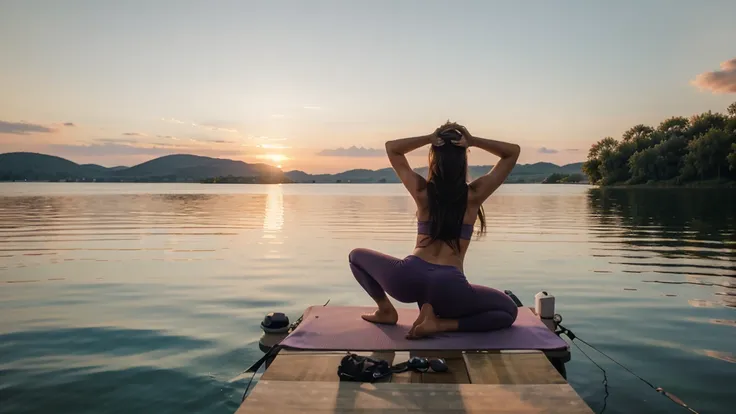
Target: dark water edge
121 301
673 184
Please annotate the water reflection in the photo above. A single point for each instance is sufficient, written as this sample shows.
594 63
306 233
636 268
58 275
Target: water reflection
696 223
687 234
273 219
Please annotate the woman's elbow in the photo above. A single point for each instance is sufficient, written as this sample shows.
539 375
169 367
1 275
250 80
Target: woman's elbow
513 152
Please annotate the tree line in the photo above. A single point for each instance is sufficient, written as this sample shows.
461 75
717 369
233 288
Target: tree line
677 151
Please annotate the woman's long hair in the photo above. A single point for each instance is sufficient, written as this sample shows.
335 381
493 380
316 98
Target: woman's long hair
447 190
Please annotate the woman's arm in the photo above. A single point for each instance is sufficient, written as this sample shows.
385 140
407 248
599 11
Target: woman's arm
396 150
483 187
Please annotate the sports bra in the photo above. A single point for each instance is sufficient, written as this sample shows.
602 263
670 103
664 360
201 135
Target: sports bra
466 231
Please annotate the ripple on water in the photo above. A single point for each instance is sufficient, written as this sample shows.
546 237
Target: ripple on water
148 298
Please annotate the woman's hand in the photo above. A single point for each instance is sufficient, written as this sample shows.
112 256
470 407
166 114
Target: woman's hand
435 139
465 139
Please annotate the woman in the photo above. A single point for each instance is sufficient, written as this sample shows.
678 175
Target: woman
447 208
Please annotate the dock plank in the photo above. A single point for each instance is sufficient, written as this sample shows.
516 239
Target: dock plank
511 368
312 366
286 397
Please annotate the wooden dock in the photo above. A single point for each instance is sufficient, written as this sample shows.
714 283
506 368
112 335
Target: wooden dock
522 382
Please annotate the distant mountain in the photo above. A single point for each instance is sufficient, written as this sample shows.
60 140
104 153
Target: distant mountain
193 168
32 166
96 168
522 173
101 168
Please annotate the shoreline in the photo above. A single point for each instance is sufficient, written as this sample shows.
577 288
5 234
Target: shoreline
666 185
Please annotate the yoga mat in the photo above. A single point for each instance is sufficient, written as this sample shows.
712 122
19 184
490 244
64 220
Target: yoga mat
336 328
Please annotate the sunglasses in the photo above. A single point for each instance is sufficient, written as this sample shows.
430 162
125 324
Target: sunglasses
421 364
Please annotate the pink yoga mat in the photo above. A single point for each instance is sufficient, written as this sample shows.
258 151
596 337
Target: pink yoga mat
335 328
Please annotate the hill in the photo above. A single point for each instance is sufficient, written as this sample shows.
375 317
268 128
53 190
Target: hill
32 166
41 167
193 167
522 173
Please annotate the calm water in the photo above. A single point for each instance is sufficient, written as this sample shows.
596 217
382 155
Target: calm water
125 297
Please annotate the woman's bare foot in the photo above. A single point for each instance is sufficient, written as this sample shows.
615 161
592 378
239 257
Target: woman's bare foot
420 319
386 317
428 324
425 324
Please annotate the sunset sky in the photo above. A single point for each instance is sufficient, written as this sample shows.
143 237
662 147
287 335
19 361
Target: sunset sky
321 85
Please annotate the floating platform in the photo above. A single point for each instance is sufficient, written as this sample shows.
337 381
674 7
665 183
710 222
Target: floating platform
520 381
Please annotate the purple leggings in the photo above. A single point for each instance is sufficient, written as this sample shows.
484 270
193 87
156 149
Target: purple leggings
477 308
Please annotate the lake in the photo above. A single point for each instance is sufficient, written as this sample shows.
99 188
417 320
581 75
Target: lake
118 298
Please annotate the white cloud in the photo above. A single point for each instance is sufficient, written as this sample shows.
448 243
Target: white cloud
545 150
173 121
719 81
211 126
272 146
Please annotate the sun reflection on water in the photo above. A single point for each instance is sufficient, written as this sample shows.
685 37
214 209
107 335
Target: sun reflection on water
273 220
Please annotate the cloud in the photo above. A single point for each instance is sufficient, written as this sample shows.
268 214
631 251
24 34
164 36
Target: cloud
719 81
265 138
69 124
173 121
208 125
22 128
135 134
215 128
272 146
120 149
545 150
572 149
167 137
352 152
109 148
116 141
313 108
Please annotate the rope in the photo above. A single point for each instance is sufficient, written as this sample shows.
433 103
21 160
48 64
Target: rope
605 377
660 390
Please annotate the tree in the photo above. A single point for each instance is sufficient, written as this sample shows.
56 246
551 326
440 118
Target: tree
591 167
596 149
670 155
702 123
731 126
614 166
643 166
673 124
637 131
701 147
706 155
732 109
